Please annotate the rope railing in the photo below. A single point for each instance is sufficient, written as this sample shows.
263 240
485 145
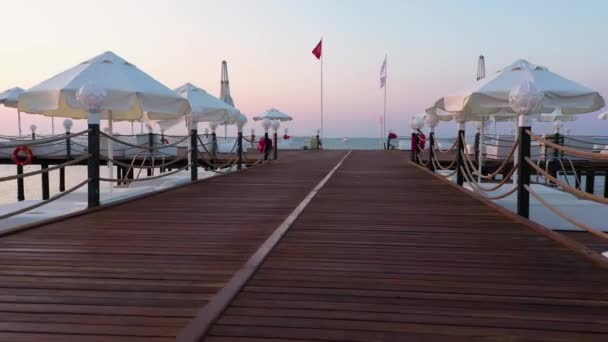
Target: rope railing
497 139
504 163
52 168
567 150
164 165
144 146
582 141
438 165
505 179
482 192
561 214
127 180
568 188
38 142
437 149
40 204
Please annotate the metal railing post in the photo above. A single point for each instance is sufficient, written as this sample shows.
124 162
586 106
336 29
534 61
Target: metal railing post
523 170
431 166
239 149
460 160
93 162
193 155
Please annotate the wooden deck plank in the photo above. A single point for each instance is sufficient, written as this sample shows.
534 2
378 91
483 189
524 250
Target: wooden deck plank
386 252
141 270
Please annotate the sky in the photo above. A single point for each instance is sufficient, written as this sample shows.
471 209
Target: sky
432 49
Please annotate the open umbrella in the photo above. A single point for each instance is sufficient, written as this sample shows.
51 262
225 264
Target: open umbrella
557 115
491 94
273 114
130 94
10 98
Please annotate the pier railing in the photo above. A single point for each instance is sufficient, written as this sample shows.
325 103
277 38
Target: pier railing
554 156
169 157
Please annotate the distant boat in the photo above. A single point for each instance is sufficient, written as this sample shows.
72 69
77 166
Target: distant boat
345 139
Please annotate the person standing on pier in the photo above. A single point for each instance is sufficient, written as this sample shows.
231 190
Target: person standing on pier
391 137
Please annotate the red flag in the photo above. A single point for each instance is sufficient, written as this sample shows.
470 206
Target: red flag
317 50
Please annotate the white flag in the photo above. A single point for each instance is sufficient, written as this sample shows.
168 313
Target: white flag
383 74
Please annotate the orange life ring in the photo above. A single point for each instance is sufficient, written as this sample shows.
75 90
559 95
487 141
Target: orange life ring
164 141
28 153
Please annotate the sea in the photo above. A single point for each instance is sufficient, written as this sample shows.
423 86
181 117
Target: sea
76 174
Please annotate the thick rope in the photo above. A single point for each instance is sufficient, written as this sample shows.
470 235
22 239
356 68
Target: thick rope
482 192
504 163
49 169
119 163
40 204
127 180
497 186
452 148
568 188
571 151
43 141
144 146
559 213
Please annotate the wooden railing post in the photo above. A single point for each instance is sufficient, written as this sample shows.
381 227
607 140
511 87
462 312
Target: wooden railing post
194 154
460 160
523 169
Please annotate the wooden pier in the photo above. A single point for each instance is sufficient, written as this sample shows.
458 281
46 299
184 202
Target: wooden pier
380 250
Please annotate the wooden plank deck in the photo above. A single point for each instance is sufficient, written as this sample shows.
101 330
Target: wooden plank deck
140 271
387 252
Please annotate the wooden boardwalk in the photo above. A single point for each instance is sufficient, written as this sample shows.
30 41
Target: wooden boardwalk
140 271
383 252
386 252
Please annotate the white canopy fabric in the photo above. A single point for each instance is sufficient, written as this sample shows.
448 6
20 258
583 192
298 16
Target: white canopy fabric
206 107
557 115
131 93
273 114
491 94
10 97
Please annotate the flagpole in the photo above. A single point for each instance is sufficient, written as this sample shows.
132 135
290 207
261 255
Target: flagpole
384 120
322 130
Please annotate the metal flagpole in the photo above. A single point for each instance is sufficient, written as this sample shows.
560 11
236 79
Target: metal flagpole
322 130
384 120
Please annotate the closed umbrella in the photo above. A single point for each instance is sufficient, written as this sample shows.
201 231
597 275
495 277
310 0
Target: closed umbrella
225 92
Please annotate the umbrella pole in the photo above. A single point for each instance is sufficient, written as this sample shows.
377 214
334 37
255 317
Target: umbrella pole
517 152
52 125
19 121
132 128
110 153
